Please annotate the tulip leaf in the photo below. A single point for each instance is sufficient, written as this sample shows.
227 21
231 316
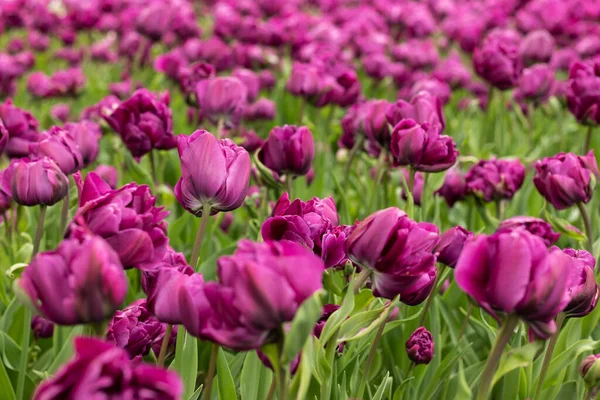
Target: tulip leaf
197 393
304 373
66 352
365 322
7 392
517 358
561 361
140 175
10 352
443 370
186 360
255 378
339 316
302 325
386 383
225 384
564 227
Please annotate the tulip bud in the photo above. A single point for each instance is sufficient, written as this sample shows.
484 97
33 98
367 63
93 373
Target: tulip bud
288 150
536 226
82 281
59 145
451 245
32 183
41 327
215 172
536 84
589 369
495 179
454 187
420 346
566 179
261 109
584 290
60 112
453 71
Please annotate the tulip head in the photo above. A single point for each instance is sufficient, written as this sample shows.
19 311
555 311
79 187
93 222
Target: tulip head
420 346
32 183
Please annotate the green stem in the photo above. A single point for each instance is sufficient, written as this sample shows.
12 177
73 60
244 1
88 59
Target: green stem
272 390
164 345
220 125
438 279
39 232
548 355
588 139
200 235
465 323
360 279
351 156
289 183
499 209
301 111
370 358
153 169
379 171
64 212
330 357
24 352
7 227
587 223
211 371
506 331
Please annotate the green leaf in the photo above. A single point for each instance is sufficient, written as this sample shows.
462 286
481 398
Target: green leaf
567 391
444 370
225 384
7 392
10 351
301 327
337 318
67 350
517 358
255 378
196 394
386 383
563 226
139 174
561 361
304 373
186 360
365 322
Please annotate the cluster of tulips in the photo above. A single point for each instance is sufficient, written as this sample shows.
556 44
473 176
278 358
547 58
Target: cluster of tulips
331 199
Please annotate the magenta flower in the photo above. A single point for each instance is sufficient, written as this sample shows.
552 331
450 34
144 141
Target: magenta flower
451 245
109 174
536 47
423 108
584 290
536 226
41 327
22 129
454 188
289 149
222 99
32 183
261 109
214 172
497 61
82 281
495 179
87 135
420 346
582 98
59 145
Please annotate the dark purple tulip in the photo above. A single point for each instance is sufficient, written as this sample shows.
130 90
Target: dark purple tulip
495 179
251 80
103 370
22 129
154 20
423 108
422 147
222 99
420 346
588 369
15 45
566 179
497 62
144 122
583 99
451 245
41 327
374 122
122 89
251 141
71 56
32 183
59 145
513 272
400 253
127 218
261 109
417 54
584 290
136 330
190 76
436 87
87 135
170 63
38 41
289 149
82 281
60 112
101 110
454 187
536 84
536 47
536 226
62 83
215 172
102 51
306 80
290 227
563 59
109 174
267 79
588 46
453 71
5 196
333 248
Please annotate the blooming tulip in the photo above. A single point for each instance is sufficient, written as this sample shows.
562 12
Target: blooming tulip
59 145
497 62
288 150
582 98
495 179
32 183
454 187
222 99
22 129
87 135
536 47
451 245
536 226
584 290
423 108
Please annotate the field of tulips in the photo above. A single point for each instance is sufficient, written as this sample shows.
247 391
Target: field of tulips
299 199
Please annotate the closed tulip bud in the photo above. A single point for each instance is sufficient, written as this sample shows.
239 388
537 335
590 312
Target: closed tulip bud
566 179
584 290
536 47
423 108
59 145
451 245
288 150
420 346
422 147
536 226
102 370
41 327
32 183
109 174
589 369
163 286
513 272
454 187
497 61
399 251
495 179
127 218
222 99
144 122
582 98
214 172
87 135
82 281
22 129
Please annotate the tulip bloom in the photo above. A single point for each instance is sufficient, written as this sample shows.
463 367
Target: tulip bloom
87 135
566 179
423 108
422 147
584 290
109 174
288 150
513 272
495 179
497 61
82 281
536 226
222 99
451 245
399 251
536 84
454 187
32 183
536 47
22 129
420 346
214 172
582 98
59 145
102 370
41 327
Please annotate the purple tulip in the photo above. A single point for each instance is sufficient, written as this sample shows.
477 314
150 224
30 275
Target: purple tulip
251 80
536 47
137 331
32 183
222 99
451 245
566 179
588 369
421 147
100 111
71 56
536 84
261 109
144 122
374 123
22 129
289 149
306 80
536 226
59 145
87 135
453 71
420 346
109 174
584 290
261 288
513 272
400 253
417 54
333 248
436 87
495 179
454 188
82 281
155 20
41 327
214 172
250 140
583 99
127 218
423 108
497 62
563 59
417 190
60 112
103 370
38 41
